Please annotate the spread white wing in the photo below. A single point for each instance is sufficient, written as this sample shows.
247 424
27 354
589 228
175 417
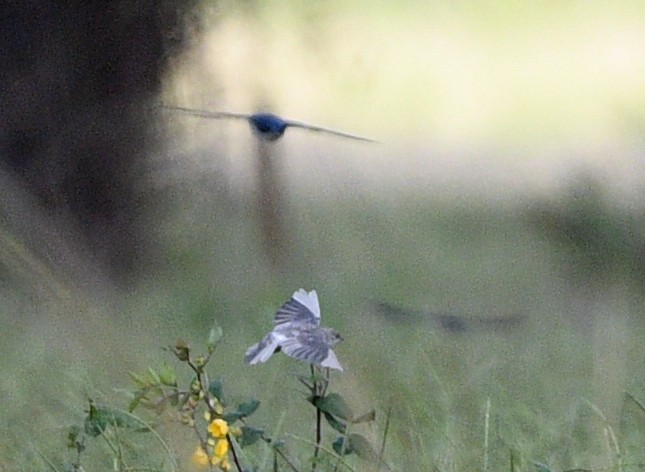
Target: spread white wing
302 308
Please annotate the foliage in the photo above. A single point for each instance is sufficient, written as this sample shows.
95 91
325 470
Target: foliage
221 429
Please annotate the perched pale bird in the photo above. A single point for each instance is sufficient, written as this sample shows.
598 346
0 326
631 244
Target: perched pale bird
265 125
298 334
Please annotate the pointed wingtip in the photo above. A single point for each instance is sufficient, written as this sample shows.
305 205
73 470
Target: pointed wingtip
309 300
322 129
332 361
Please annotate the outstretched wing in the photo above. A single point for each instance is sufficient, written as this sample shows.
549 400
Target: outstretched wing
207 114
310 346
302 308
245 116
261 351
300 124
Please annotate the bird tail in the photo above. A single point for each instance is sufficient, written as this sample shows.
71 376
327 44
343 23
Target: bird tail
261 351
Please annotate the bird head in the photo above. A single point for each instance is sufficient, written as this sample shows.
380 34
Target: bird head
333 336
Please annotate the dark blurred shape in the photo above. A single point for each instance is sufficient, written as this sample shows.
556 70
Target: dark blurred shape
76 79
597 241
448 322
265 125
451 323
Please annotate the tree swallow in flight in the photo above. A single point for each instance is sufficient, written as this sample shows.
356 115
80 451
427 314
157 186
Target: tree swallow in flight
266 125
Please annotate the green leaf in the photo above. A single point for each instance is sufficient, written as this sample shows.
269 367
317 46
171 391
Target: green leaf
231 417
214 337
93 423
250 435
363 448
338 448
334 404
541 467
100 417
243 410
335 423
167 375
134 403
74 438
154 376
355 444
139 380
216 388
247 408
365 418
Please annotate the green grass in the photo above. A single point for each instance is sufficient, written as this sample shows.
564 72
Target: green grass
547 381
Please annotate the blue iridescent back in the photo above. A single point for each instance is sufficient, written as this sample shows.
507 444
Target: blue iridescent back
268 125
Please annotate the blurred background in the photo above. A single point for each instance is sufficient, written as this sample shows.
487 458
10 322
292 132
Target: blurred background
488 250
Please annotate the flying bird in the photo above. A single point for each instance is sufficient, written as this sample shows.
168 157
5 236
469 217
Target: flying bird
447 321
266 125
298 334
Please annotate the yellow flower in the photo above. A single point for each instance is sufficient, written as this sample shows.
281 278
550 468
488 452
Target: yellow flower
225 465
222 462
218 428
222 448
200 457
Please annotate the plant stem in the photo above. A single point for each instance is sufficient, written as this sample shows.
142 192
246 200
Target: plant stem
385 431
203 386
486 432
316 390
286 459
235 458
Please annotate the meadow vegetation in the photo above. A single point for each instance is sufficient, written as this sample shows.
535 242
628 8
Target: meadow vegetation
501 333
561 389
